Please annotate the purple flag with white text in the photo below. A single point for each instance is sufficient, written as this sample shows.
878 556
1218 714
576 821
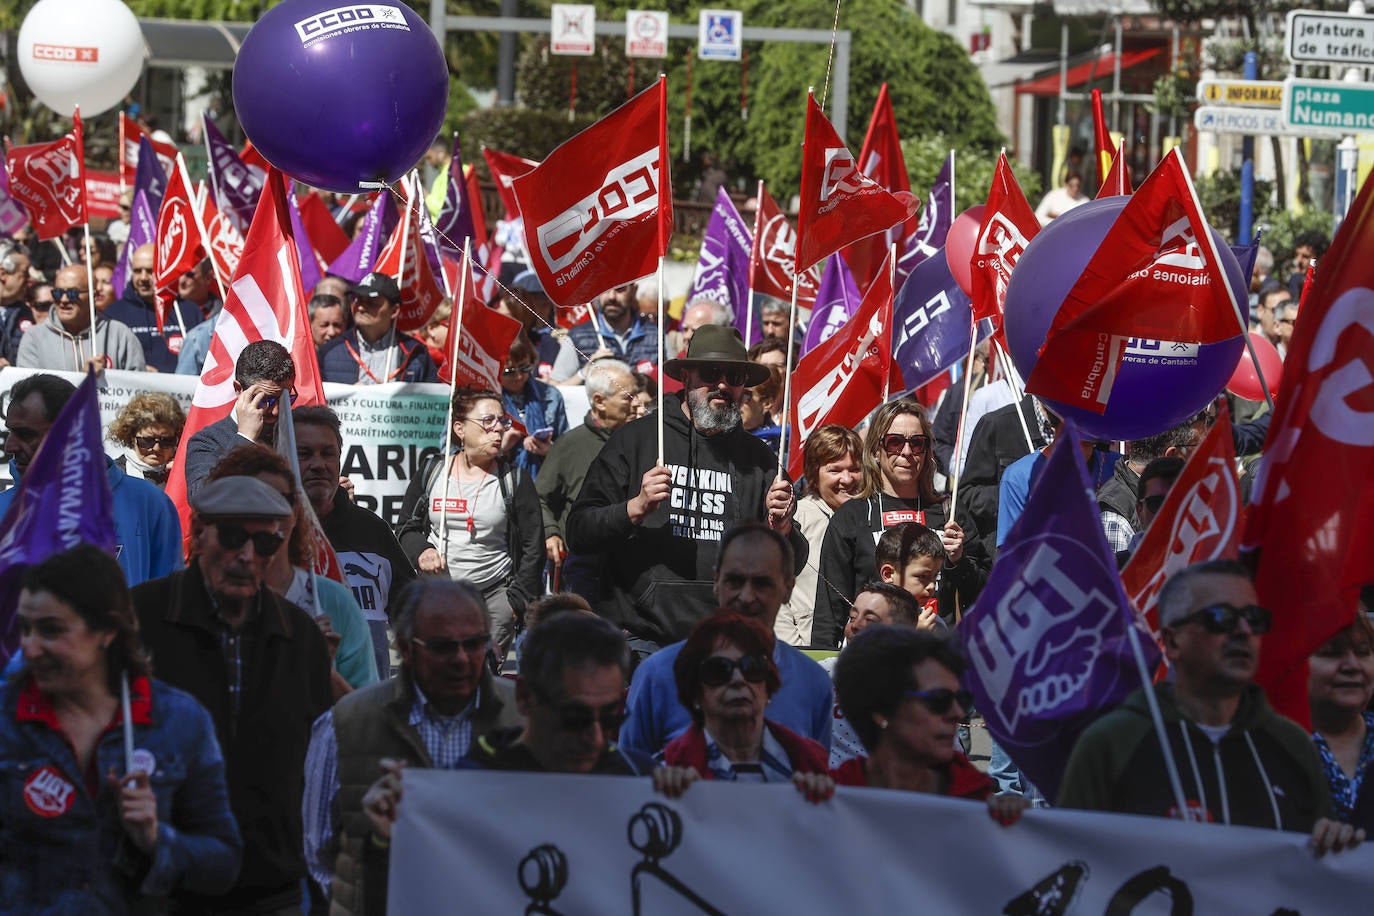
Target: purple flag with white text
62 500
837 298
723 266
236 186
931 318
361 254
310 262
936 218
142 230
1048 641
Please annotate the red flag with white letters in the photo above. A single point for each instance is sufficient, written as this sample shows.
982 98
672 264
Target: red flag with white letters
404 260
477 347
1008 225
1312 510
179 245
881 159
130 131
225 242
49 180
599 210
505 168
772 261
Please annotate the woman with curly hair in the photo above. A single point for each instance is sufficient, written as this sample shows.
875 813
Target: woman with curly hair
149 427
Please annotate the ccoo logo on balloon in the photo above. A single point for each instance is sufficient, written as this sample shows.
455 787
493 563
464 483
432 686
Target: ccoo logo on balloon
348 18
66 54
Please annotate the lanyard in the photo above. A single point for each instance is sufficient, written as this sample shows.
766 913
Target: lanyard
363 366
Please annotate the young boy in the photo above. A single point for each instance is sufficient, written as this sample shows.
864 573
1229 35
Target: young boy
911 557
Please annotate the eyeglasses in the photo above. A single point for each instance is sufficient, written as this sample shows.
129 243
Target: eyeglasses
148 443
490 423
265 543
717 670
1224 618
712 374
893 444
578 717
939 701
516 370
1285 321
273 400
1154 502
73 294
446 648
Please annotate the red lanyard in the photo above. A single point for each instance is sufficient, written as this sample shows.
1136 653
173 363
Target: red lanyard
363 366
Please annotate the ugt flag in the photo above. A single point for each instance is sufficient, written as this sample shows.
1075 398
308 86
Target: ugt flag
1048 642
836 299
49 179
723 266
772 268
62 500
936 218
180 243
361 255
931 322
599 210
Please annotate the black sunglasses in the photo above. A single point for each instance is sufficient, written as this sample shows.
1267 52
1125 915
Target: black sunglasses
449 647
73 293
147 443
893 443
712 374
515 370
1224 618
939 701
577 717
273 400
717 670
265 543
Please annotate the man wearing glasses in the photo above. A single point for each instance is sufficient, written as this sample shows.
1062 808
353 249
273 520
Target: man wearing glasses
1238 761
68 341
444 699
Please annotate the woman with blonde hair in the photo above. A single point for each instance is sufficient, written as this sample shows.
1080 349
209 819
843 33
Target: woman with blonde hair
149 427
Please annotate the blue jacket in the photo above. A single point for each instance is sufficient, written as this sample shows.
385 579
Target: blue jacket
196 346
147 530
543 407
337 364
65 850
641 344
159 350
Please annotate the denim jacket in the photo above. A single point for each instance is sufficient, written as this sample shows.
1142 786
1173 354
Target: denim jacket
65 851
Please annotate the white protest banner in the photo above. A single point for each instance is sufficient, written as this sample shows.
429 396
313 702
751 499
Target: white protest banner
573 29
646 34
554 844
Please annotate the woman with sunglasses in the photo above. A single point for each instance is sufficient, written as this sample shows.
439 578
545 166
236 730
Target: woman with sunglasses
1340 684
899 690
538 405
899 486
149 427
475 516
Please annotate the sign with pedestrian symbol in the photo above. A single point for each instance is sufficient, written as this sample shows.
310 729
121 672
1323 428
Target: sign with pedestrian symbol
1242 93
720 35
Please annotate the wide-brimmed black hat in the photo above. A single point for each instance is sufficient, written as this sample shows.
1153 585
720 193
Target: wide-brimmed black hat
712 344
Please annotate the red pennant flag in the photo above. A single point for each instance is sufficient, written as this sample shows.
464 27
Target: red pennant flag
505 168
1200 520
772 261
180 245
264 302
881 159
839 204
328 240
1157 274
479 218
404 260
130 131
1008 225
49 180
841 380
1102 138
1312 510
599 210
477 347
224 242
1118 182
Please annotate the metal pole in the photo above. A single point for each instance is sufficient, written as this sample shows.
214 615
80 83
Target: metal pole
1247 162
505 57
1061 115
1116 78
438 20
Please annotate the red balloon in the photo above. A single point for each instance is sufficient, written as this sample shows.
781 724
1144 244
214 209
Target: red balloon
1245 381
959 245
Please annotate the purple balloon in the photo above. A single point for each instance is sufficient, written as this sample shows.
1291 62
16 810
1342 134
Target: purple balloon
1147 398
337 95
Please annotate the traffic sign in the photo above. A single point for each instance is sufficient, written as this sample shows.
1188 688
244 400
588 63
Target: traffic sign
1329 106
1245 93
1255 121
646 34
1330 38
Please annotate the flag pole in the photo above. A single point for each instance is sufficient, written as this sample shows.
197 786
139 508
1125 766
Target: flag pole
412 191
90 290
963 415
120 139
204 235
892 279
457 331
757 245
126 708
661 317
343 211
1018 390
787 378
1153 702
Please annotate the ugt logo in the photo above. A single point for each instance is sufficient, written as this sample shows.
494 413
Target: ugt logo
841 175
629 191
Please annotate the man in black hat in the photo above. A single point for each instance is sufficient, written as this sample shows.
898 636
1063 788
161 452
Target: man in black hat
373 351
663 522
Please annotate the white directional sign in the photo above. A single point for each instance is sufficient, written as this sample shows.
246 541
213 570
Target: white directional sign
1258 121
1330 38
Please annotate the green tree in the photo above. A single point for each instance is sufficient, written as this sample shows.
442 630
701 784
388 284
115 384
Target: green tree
973 168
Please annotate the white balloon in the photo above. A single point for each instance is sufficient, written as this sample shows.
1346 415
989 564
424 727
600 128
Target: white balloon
80 52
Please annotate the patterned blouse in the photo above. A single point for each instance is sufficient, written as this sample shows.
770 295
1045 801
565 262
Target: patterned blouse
1345 790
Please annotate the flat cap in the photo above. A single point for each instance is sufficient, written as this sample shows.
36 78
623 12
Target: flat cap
239 497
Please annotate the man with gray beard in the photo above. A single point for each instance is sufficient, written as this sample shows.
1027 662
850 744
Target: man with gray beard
660 525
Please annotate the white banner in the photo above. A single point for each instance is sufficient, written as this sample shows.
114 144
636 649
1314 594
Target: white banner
512 843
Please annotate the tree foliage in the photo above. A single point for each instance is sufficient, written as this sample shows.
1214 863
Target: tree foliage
973 168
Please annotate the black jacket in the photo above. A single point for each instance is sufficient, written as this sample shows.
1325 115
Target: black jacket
658 575
338 364
995 443
1120 493
373 562
207 447
160 349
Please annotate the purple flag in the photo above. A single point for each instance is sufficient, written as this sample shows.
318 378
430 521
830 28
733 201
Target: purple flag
936 217
1048 642
61 501
931 317
142 230
236 186
837 297
12 214
429 239
358 258
150 176
723 265
454 223
310 264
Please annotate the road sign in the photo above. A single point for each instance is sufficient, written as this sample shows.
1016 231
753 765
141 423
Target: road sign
573 29
1255 121
1245 93
646 34
720 35
1330 38
1331 106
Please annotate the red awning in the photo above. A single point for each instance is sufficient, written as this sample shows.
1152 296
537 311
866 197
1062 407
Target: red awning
1095 69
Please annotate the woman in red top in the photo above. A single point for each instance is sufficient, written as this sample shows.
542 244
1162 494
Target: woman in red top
899 689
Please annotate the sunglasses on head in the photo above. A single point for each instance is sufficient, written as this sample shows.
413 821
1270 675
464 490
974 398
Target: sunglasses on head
446 648
148 443
578 717
893 444
265 543
712 374
717 670
72 293
939 701
1224 618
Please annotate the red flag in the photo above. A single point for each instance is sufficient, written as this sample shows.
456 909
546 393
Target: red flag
772 262
1200 520
599 210
180 245
1157 274
264 302
404 260
129 133
1102 138
225 242
880 159
474 192
251 156
328 240
839 204
573 315
1118 182
1312 510
841 380
480 345
49 180
505 168
1008 225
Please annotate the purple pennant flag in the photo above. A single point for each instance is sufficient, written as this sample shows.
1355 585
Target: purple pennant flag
936 218
142 230
454 223
358 258
723 265
236 186
150 176
429 239
837 297
931 317
61 501
1048 643
12 215
310 264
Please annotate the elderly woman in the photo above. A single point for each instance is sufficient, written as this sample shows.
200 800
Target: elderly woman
149 427
899 690
85 830
833 466
899 486
1340 683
